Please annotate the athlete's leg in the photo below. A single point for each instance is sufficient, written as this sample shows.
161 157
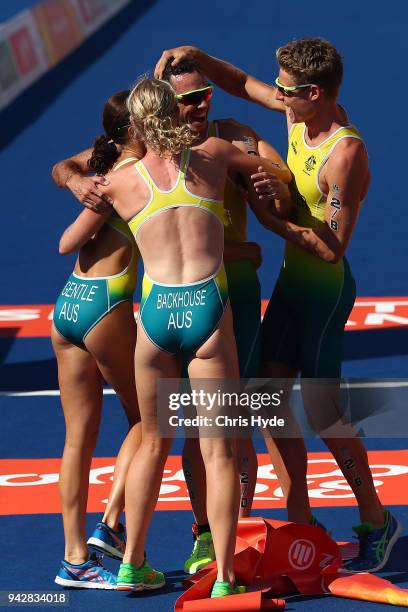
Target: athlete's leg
216 359
245 299
244 294
194 473
322 359
146 469
81 396
248 470
280 356
289 455
115 360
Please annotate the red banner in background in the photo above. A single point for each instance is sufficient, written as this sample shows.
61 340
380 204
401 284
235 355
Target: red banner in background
92 14
24 50
22 58
30 486
33 321
35 40
59 27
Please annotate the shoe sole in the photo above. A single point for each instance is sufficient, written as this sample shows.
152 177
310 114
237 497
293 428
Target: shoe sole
384 562
122 586
77 584
191 570
102 547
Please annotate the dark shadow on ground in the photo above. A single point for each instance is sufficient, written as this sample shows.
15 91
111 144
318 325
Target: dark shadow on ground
398 562
29 375
375 343
36 99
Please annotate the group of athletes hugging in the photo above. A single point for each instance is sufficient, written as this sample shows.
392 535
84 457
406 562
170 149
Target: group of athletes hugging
169 185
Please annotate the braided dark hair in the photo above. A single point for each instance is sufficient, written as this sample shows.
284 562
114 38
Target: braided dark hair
116 124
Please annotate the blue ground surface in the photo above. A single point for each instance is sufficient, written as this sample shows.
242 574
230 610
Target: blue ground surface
61 115
10 8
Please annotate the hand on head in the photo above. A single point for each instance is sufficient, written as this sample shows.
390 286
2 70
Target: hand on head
177 55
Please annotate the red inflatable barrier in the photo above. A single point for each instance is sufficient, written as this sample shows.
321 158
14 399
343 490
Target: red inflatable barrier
274 558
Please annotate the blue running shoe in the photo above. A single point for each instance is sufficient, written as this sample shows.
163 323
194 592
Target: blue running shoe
375 545
112 543
88 575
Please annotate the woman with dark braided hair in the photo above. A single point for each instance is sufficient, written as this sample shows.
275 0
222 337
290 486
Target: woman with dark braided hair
94 336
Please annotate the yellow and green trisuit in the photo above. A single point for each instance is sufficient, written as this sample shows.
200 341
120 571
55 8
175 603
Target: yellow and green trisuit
180 318
304 323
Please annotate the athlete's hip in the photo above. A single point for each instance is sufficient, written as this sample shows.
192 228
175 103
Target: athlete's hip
179 317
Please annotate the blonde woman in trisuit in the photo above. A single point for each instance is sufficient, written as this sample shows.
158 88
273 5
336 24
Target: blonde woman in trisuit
94 336
172 201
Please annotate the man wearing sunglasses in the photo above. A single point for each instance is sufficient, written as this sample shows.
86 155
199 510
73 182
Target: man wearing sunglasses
304 323
241 259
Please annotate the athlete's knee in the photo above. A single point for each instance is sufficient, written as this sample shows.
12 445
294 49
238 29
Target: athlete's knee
216 450
84 442
155 446
324 412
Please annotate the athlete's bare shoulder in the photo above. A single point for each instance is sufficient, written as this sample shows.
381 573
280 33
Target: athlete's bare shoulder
213 144
232 126
347 167
349 150
121 179
238 134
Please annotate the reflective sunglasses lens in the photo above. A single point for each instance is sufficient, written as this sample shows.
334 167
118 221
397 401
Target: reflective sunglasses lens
208 95
196 97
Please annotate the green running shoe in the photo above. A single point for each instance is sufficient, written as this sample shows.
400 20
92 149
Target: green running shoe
144 577
202 555
221 589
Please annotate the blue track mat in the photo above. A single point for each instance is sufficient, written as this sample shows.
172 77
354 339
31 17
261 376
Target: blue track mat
61 115
10 8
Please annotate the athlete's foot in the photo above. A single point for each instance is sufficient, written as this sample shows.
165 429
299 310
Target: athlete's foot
375 545
202 554
222 589
108 541
88 575
131 578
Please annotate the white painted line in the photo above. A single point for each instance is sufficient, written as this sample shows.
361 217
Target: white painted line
42 393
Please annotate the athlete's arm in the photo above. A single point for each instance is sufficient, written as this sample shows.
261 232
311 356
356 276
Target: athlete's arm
237 251
248 164
72 174
281 207
230 78
346 177
86 225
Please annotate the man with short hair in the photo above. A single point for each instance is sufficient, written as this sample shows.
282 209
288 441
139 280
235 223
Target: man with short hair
304 324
